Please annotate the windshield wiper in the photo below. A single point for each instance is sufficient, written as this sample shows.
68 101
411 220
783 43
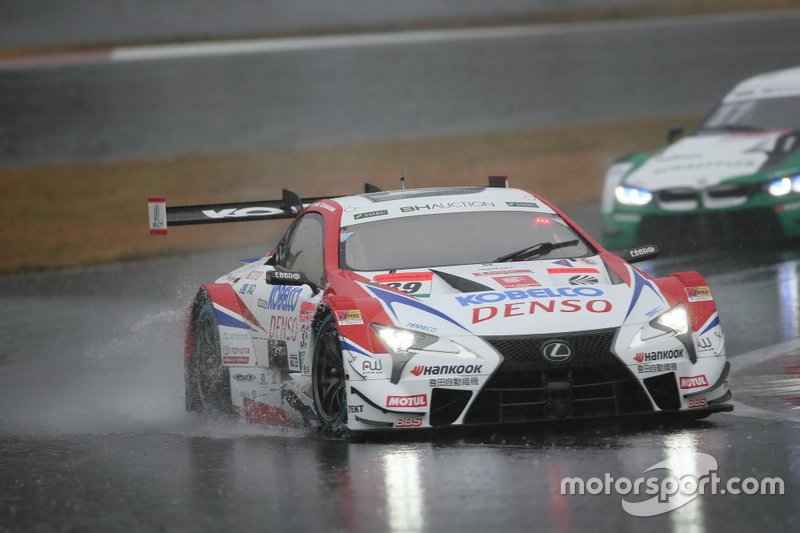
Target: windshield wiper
543 248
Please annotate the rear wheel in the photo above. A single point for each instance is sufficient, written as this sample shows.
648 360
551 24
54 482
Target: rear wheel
208 385
327 377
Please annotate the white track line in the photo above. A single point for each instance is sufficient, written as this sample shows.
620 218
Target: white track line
746 360
293 44
755 357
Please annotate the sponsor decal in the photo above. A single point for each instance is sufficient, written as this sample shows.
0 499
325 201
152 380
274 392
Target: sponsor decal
563 263
371 367
653 312
587 261
413 283
482 314
235 360
417 400
307 310
659 355
254 275
435 370
370 214
242 212
499 271
448 205
546 292
326 206
704 344
573 270
421 327
227 337
282 298
638 252
514 282
283 328
699 294
660 367
244 377
355 409
698 403
247 288
349 318
693 382
408 422
285 276
523 204
235 350
583 280
454 382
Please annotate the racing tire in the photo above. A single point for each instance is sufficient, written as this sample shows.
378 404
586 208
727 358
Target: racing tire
328 377
207 382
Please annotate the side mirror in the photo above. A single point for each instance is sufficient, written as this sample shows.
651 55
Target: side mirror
642 253
281 277
674 132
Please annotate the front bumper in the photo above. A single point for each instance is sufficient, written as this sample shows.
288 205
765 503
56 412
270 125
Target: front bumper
762 217
524 387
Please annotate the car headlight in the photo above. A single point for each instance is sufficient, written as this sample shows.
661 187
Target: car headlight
404 344
783 186
398 340
632 195
675 320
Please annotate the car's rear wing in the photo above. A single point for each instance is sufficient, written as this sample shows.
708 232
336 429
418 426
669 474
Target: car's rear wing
161 217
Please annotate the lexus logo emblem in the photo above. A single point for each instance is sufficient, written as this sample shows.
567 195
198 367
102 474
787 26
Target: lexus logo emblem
557 351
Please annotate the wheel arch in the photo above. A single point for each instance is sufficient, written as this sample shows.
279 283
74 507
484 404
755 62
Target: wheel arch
215 293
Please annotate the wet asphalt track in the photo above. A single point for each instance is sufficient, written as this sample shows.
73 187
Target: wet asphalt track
93 436
322 95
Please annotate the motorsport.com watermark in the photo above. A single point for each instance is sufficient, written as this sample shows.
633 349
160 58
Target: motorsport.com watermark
687 476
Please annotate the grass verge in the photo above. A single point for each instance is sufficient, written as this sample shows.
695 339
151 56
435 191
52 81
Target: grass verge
78 214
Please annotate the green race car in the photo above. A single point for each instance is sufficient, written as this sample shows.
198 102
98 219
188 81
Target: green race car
736 178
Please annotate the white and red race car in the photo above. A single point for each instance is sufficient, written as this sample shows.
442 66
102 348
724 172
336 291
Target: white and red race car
443 307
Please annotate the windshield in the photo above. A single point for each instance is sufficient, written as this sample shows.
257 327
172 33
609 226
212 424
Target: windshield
769 114
454 239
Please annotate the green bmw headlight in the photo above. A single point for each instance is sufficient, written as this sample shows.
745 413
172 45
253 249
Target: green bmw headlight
632 195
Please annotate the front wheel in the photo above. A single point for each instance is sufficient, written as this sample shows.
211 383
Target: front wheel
208 385
327 377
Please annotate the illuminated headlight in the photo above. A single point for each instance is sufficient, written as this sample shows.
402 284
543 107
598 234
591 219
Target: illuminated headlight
676 320
783 186
399 340
632 195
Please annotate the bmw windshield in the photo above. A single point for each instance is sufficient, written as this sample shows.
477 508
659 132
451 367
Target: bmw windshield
768 114
456 239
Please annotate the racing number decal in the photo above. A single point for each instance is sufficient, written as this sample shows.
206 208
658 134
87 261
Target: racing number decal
414 283
410 287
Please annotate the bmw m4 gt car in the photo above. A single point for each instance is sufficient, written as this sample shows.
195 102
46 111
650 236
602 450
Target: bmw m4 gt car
736 178
443 307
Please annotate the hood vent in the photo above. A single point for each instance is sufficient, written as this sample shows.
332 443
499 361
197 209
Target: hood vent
461 284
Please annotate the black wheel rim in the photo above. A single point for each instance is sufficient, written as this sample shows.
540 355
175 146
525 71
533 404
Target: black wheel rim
329 376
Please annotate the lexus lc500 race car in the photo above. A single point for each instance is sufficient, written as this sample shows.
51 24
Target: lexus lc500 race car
737 177
442 307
